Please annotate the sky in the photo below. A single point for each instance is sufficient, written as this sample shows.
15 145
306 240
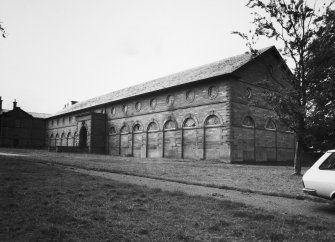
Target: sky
62 50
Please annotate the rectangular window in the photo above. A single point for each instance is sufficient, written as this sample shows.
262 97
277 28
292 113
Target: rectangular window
329 163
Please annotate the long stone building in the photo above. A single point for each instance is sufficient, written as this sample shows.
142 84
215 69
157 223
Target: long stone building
210 112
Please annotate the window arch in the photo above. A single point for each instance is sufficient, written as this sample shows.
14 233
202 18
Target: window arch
152 126
189 123
112 130
62 139
137 128
248 122
270 124
57 141
68 137
75 135
212 120
170 124
124 129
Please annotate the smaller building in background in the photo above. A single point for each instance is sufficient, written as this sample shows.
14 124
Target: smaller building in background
19 128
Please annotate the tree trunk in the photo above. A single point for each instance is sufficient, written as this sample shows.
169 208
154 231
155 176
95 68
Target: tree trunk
298 156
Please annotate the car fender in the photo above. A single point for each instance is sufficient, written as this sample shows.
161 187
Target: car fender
332 196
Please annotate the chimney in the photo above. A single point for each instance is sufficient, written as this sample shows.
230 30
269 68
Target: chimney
14 104
0 105
73 102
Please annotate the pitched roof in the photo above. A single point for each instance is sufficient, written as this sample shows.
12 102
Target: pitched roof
39 115
218 68
35 115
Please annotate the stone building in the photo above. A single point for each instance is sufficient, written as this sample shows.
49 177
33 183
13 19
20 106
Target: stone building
210 112
21 129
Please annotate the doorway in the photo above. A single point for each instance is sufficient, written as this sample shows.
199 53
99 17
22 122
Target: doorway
83 137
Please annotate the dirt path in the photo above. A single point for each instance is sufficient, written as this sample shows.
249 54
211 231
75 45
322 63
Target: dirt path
281 205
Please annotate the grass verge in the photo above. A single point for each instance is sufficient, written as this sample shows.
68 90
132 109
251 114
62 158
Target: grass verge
225 187
44 203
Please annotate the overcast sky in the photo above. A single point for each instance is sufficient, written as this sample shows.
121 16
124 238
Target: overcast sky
62 50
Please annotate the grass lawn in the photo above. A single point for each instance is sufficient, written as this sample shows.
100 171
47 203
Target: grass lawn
45 203
276 180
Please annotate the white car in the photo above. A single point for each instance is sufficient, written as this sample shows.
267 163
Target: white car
319 180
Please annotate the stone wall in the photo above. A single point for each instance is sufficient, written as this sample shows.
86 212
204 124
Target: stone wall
18 129
166 124
220 118
264 138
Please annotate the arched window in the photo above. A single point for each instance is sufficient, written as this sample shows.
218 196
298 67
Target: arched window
124 129
68 137
112 130
212 120
270 124
248 122
57 140
137 128
152 126
75 135
170 124
189 123
62 141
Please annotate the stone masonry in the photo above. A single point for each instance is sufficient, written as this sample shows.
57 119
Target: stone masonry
211 112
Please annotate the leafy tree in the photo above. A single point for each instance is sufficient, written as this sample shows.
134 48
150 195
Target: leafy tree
295 25
321 94
2 30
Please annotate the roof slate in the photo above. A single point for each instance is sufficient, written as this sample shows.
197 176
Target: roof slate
39 115
225 66
35 115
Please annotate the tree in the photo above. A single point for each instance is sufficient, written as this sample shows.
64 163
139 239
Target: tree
295 25
321 75
2 30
